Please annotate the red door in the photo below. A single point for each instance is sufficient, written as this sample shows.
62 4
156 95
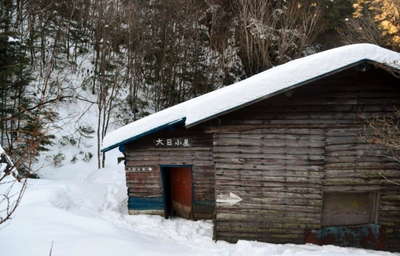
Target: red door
181 191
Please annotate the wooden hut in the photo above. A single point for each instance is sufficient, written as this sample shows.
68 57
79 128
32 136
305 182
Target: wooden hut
278 157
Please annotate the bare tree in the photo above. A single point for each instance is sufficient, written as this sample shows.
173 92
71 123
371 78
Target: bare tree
386 16
274 32
362 30
107 81
384 132
12 187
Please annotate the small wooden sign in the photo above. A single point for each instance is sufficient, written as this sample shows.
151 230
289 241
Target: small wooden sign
139 169
172 142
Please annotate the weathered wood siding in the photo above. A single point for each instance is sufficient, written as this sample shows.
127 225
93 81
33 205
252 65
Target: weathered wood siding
145 188
281 154
277 173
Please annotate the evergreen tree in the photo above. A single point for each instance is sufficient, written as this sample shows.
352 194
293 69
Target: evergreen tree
23 116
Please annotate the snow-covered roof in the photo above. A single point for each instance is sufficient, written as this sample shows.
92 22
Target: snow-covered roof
261 86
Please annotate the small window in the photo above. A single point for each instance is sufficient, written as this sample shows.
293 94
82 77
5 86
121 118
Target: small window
343 209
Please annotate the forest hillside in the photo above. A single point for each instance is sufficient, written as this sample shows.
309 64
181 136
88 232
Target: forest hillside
71 71
123 59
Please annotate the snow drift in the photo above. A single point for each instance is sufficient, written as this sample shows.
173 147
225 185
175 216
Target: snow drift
80 211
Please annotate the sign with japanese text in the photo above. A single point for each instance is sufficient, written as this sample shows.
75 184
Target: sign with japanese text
172 142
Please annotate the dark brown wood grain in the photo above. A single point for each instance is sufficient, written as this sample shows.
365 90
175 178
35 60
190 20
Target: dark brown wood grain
280 156
198 155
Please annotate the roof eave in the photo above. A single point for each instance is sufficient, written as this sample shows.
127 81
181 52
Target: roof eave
175 123
287 89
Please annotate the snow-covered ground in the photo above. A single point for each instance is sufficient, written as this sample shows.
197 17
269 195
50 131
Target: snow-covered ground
77 210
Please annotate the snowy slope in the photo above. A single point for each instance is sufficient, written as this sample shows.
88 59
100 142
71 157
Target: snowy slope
80 211
259 86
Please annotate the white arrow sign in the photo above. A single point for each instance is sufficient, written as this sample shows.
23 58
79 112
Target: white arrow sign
229 200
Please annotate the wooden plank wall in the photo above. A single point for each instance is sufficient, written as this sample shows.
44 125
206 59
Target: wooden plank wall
277 173
353 165
147 185
281 154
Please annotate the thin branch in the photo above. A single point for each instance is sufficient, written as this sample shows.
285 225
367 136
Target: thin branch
39 105
388 180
